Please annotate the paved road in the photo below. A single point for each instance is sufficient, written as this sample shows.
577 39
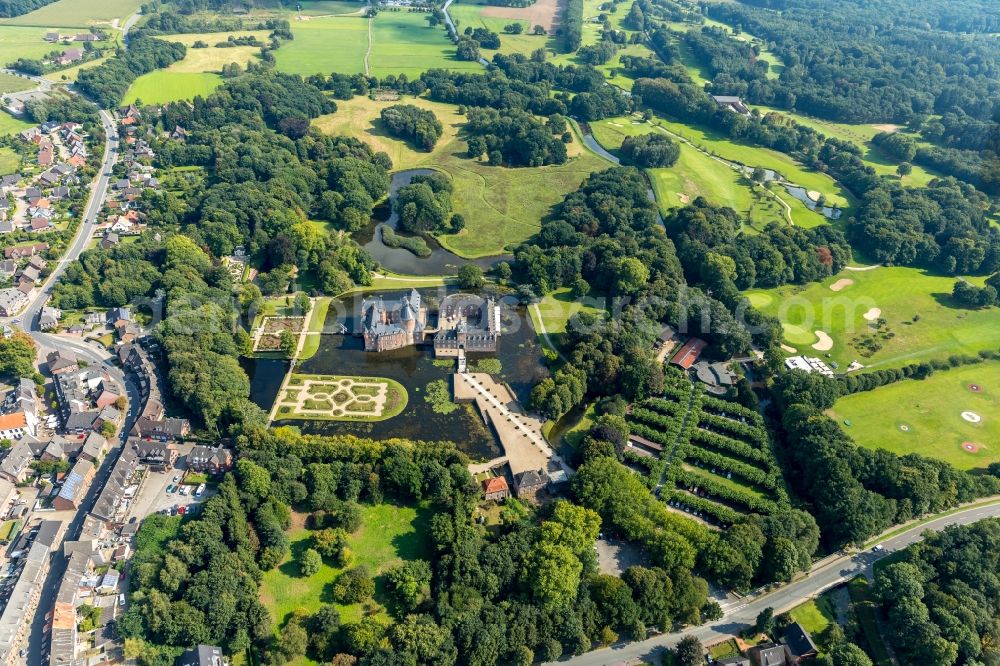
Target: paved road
739 615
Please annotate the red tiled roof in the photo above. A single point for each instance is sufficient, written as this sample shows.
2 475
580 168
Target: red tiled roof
688 354
495 485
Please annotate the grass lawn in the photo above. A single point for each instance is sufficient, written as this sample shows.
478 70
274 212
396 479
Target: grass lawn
404 43
921 319
502 206
9 161
324 45
559 306
388 535
815 615
162 86
10 83
930 410
77 13
11 125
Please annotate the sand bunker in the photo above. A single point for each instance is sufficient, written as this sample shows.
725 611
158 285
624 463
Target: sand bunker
872 314
825 341
683 198
842 283
972 417
790 350
813 195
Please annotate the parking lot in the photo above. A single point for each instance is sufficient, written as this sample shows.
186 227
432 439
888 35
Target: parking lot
153 496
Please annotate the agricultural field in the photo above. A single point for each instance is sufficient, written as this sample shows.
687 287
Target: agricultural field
336 398
699 175
721 463
197 73
405 43
25 42
388 535
78 13
953 415
324 45
884 317
502 206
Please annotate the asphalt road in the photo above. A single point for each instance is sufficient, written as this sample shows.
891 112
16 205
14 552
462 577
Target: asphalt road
742 614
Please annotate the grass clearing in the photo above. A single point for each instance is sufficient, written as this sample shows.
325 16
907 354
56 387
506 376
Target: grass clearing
926 417
10 83
11 125
77 13
502 206
388 535
9 161
815 615
325 45
921 320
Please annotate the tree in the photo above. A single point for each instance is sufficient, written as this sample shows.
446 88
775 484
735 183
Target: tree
904 169
17 355
849 654
470 276
765 622
311 562
254 480
538 55
538 30
690 652
354 586
293 640
302 303
631 276
108 429
515 28
287 343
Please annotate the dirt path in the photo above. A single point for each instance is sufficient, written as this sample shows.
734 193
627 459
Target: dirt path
369 51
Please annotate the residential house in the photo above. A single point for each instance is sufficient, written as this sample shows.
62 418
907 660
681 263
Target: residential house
734 661
6 227
109 583
46 154
40 223
22 399
13 426
121 486
52 37
49 318
69 56
87 37
25 251
16 464
109 240
210 460
7 268
202 655
154 453
74 487
769 654
60 362
528 484
165 429
25 286
58 193
799 643
496 489
95 446
179 133
12 301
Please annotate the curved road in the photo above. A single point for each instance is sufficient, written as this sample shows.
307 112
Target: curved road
825 575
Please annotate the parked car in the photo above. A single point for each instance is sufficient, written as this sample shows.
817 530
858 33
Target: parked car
181 510
171 488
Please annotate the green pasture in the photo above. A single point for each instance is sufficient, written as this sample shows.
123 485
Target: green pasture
325 45
10 83
921 320
405 43
926 416
77 13
25 42
502 206
162 86
388 535
11 125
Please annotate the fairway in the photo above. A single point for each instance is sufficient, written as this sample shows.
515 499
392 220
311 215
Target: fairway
78 13
921 321
698 175
388 535
405 43
501 206
926 416
325 45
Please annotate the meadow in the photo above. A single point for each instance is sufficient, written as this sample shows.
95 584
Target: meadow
388 535
162 86
501 206
77 13
10 83
324 45
405 43
920 319
11 125
9 161
926 416
698 175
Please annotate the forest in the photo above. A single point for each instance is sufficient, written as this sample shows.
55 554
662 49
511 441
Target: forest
11 8
939 597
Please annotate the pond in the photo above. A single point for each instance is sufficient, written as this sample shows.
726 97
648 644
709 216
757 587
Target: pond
399 260
415 368
800 193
